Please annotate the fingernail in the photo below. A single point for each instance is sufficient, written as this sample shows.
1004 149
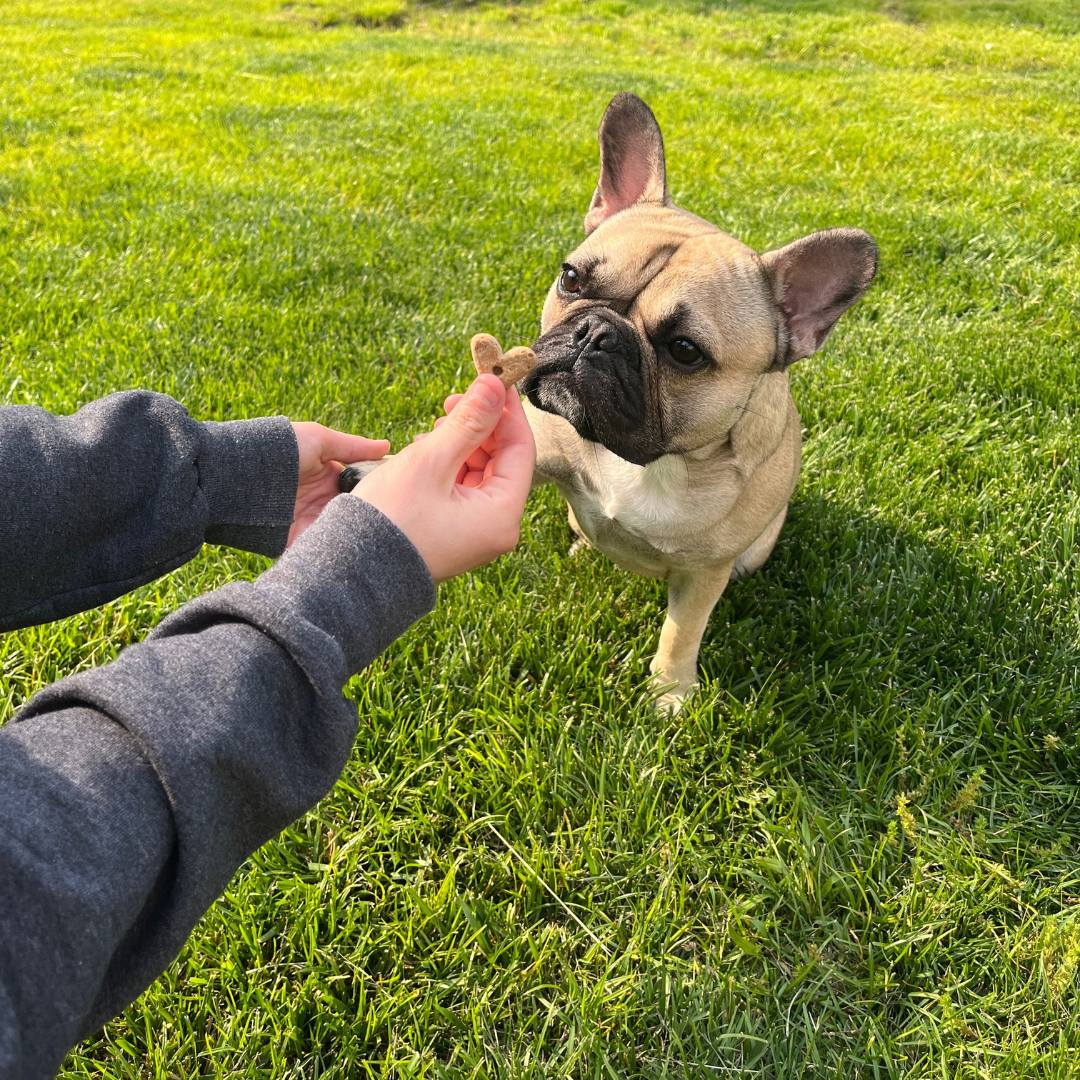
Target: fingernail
486 395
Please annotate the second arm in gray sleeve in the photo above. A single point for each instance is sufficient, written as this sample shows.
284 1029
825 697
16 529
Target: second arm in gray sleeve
95 504
130 794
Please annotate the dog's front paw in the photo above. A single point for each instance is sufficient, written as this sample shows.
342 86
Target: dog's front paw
671 703
670 695
351 475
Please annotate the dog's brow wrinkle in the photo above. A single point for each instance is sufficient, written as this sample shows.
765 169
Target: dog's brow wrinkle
670 319
662 257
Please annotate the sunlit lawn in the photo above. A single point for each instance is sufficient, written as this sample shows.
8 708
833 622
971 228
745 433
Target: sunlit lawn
859 853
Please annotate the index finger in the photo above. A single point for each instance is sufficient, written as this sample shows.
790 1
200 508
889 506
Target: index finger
340 446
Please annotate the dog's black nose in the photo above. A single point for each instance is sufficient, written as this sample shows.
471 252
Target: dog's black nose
595 333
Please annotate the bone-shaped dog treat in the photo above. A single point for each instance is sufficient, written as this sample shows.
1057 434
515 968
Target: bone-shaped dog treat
489 358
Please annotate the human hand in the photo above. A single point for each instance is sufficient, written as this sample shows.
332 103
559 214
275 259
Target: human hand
458 492
321 450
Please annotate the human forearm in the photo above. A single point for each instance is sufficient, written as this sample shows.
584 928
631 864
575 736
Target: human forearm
231 722
127 489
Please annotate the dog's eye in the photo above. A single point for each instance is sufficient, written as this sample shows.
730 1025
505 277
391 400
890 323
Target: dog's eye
569 280
684 352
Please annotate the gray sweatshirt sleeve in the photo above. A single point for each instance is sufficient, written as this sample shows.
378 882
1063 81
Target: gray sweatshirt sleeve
125 490
130 794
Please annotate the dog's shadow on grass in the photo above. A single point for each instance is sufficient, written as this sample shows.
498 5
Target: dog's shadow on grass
869 640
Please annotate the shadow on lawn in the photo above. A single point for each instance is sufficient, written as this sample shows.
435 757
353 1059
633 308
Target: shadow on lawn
862 665
855 622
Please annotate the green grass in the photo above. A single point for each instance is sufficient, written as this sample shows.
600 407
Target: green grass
858 854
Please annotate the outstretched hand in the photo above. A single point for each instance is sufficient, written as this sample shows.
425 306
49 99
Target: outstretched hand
321 449
458 492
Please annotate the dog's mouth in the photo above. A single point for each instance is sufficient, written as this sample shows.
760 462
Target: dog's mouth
553 387
591 372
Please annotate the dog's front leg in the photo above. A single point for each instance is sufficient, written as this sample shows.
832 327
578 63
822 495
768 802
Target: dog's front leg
691 598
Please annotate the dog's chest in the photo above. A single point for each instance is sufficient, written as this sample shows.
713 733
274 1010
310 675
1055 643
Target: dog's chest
648 504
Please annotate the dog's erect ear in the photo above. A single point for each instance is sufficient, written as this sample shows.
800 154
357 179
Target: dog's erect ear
815 280
631 160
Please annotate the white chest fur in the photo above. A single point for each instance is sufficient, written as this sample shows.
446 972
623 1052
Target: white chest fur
650 502
641 498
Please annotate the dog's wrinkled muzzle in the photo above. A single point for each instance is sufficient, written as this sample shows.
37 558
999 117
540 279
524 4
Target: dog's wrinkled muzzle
591 372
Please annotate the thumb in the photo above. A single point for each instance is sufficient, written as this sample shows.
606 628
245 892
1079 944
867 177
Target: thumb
471 422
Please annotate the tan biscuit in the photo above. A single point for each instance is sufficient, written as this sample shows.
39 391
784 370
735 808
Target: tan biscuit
516 364
488 357
486 352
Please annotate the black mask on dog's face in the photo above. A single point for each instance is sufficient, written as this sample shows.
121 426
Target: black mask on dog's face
594 372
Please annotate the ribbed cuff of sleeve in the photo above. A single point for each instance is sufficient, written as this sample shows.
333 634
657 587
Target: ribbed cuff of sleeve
248 471
354 575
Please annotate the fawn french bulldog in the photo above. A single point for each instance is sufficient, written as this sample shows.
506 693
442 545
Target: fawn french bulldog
660 401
